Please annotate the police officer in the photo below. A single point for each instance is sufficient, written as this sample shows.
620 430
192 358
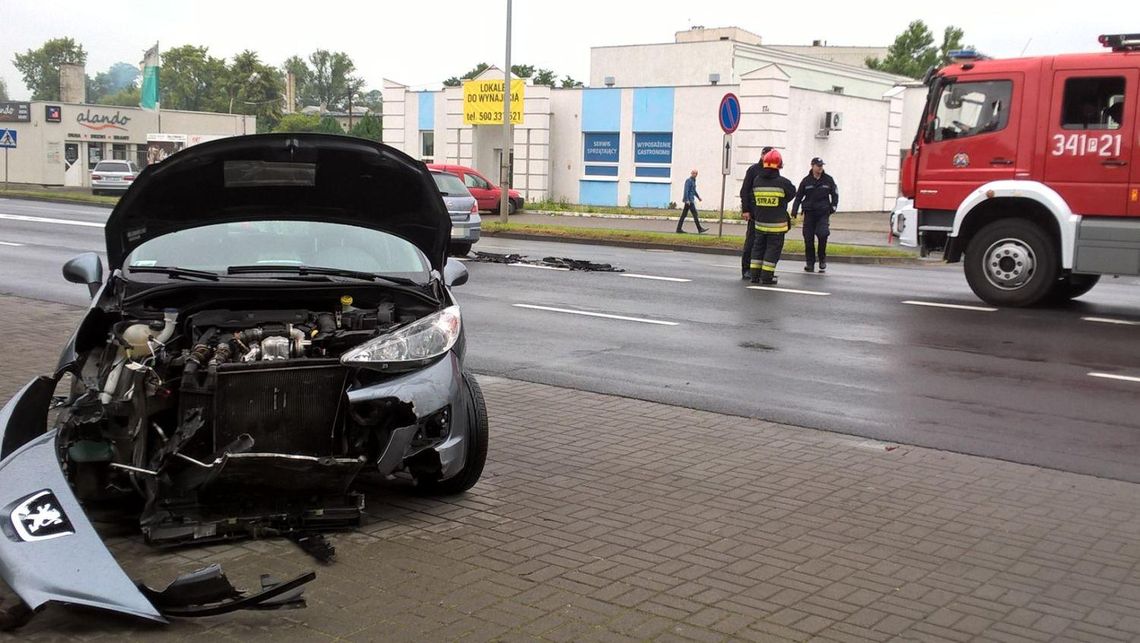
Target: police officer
820 198
745 208
769 211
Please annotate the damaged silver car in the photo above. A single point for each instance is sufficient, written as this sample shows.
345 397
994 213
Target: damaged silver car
277 320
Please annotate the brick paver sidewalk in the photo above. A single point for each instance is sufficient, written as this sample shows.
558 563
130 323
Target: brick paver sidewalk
604 518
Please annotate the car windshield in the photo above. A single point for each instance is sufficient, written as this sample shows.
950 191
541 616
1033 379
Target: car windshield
112 167
449 184
216 247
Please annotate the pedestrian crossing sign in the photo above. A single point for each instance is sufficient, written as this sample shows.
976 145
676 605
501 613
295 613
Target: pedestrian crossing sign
7 138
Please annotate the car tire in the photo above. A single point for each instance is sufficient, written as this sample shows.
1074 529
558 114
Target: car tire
512 206
1011 262
476 456
460 249
1072 286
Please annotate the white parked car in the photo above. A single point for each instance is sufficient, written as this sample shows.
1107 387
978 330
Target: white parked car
113 176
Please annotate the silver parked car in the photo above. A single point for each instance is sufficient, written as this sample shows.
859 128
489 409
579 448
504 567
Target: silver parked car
113 176
464 211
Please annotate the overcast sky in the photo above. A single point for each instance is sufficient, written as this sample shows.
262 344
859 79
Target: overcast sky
421 43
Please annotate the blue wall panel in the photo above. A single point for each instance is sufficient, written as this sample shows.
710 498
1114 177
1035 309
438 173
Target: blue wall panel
604 170
653 109
598 192
601 110
648 195
427 111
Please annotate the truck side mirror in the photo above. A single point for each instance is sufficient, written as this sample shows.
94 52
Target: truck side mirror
86 268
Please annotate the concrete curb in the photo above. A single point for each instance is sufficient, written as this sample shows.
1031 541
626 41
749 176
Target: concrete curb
885 261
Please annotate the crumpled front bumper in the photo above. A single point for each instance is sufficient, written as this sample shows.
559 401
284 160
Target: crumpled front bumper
49 551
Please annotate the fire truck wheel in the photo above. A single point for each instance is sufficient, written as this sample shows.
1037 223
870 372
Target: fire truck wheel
1011 262
1072 286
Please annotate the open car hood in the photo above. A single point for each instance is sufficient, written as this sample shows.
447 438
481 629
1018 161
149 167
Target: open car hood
338 179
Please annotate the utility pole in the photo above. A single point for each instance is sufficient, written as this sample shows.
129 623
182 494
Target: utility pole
505 161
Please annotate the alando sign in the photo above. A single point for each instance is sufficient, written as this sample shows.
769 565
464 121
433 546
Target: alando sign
102 121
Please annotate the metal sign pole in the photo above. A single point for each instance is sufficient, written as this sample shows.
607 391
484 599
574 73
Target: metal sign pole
720 228
5 169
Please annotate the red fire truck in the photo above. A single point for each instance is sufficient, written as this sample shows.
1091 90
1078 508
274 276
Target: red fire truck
1027 171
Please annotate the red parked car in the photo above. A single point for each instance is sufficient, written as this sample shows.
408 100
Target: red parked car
486 193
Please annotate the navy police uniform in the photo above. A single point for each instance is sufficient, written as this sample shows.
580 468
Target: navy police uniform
820 198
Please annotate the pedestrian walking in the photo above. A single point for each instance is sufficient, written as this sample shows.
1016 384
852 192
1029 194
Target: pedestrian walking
745 206
689 198
771 194
820 198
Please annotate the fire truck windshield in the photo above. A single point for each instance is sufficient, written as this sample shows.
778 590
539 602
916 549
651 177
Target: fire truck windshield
969 108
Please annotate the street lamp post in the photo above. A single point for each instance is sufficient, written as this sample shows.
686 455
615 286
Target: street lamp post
505 160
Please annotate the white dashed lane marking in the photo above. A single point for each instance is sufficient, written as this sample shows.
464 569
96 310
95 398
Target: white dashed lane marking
10 243
1113 376
585 313
934 304
23 217
791 290
1109 320
531 265
635 276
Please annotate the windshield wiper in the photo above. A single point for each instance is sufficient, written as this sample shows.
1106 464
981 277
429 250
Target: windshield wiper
320 270
175 271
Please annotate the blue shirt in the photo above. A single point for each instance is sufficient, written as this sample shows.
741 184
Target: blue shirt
690 190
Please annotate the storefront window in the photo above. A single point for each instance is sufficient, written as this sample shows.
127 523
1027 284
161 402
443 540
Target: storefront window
140 155
119 152
94 154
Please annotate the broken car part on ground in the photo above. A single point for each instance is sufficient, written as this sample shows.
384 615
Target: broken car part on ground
277 321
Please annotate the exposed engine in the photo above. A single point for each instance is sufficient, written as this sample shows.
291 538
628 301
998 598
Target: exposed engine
223 413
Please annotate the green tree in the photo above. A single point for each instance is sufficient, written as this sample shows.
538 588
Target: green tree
373 100
328 125
119 77
522 71
455 82
913 51
332 80
3 90
252 87
126 97
40 67
191 79
298 123
368 127
301 75
545 77
568 82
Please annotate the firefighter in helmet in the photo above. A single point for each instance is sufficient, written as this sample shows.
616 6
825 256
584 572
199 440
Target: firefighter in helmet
771 194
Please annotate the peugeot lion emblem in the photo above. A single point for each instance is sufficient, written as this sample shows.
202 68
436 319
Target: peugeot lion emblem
40 517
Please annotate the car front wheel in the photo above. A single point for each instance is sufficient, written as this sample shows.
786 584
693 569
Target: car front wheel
1012 262
476 456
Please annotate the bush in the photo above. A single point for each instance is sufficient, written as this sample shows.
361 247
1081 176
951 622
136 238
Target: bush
298 123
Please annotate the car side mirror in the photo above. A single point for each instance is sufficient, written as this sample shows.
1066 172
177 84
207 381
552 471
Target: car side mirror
86 268
454 273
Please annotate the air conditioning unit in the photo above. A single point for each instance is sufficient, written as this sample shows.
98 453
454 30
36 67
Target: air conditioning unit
832 121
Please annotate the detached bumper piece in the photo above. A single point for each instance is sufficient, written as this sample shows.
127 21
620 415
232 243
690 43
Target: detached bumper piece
207 592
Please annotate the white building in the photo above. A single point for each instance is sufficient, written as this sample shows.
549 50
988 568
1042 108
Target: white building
650 116
58 143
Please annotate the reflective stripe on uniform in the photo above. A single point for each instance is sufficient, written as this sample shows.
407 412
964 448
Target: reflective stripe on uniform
771 228
767 197
768 266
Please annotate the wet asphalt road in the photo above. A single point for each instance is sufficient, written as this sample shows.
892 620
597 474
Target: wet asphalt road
1010 384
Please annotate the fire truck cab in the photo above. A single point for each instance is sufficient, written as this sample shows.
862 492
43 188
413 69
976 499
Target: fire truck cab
1027 171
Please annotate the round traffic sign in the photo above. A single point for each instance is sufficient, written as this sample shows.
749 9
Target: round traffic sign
729 113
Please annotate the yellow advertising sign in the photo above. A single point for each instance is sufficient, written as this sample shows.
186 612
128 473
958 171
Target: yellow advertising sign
483 102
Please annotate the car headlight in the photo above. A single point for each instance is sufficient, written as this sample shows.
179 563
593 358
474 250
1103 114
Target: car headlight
410 346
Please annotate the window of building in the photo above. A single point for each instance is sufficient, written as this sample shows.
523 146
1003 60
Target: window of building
836 89
94 154
1093 103
427 146
140 155
971 108
119 152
